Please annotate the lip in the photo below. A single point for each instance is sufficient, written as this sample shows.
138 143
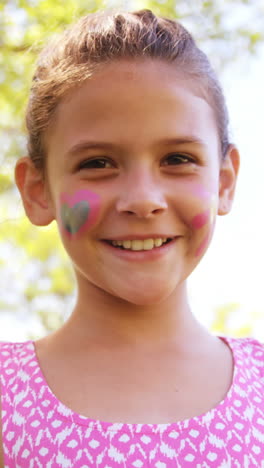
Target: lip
141 255
140 237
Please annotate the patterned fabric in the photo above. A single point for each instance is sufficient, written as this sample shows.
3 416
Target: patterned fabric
40 432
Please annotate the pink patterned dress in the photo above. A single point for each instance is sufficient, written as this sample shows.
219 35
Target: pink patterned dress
40 432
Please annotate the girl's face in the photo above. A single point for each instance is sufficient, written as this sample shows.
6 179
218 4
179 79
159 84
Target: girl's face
134 172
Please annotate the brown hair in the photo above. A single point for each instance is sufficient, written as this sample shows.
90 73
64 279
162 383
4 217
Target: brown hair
102 37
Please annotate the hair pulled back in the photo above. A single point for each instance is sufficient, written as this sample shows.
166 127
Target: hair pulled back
95 39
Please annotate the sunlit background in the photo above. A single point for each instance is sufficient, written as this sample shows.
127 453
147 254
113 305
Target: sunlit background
232 270
226 290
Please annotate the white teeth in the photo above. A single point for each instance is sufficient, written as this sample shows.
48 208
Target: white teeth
158 242
137 245
146 244
126 244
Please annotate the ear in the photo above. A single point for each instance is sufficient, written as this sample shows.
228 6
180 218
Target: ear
227 180
34 192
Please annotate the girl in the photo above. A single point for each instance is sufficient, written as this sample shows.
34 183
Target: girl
128 150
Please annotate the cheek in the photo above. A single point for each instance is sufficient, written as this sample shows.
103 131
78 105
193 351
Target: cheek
201 219
204 222
78 212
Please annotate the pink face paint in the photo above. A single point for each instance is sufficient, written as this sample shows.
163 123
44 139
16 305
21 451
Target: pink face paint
201 220
201 192
202 247
78 212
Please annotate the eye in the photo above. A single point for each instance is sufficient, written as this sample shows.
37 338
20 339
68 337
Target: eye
176 159
96 163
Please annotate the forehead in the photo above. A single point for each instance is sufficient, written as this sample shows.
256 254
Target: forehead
134 101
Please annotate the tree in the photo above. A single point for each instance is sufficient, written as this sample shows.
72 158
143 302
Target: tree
35 273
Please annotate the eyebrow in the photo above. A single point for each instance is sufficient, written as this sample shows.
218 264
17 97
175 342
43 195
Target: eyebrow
86 145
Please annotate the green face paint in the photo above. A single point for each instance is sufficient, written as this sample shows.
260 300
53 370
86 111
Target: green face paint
73 218
78 212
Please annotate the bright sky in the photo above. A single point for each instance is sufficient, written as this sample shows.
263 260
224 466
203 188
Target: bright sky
232 268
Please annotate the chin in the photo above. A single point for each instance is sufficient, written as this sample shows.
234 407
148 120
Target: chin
150 296
147 301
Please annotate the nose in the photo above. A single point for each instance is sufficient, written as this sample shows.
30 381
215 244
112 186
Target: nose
142 196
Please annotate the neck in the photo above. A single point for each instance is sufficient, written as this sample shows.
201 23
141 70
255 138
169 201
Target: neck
103 319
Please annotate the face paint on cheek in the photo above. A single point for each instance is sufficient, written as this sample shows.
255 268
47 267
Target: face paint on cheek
205 218
201 219
204 244
204 193
78 212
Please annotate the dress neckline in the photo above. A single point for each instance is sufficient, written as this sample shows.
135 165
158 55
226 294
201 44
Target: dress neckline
66 413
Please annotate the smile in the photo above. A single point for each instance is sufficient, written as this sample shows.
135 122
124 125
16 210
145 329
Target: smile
139 244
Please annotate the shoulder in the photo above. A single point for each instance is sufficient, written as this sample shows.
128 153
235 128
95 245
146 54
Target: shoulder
15 362
14 351
1 441
12 358
15 358
249 353
248 346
